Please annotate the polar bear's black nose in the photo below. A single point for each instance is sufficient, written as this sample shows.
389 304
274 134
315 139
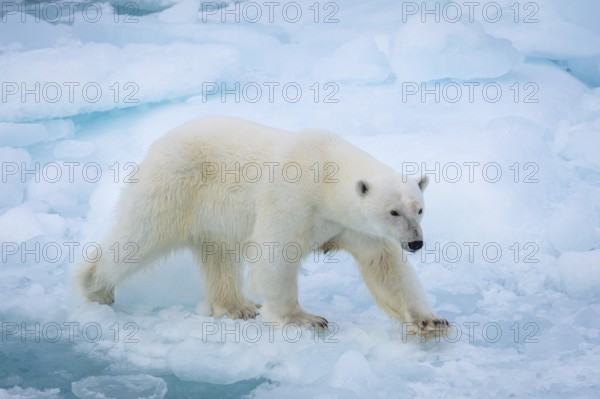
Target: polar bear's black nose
415 245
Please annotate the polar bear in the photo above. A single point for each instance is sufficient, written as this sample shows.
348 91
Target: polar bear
221 185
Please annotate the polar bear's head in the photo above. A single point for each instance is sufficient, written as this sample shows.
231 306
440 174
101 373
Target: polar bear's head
393 206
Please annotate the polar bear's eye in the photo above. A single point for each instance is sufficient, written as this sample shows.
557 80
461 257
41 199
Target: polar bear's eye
394 213
420 211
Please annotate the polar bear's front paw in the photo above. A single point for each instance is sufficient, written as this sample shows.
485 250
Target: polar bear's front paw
433 324
430 324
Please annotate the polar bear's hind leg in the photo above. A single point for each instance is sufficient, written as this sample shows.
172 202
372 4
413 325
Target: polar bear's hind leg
222 278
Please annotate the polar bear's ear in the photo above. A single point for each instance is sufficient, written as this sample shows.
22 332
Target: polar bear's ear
423 182
362 188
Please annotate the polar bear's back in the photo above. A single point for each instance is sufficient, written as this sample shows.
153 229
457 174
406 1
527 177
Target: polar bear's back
220 139
224 139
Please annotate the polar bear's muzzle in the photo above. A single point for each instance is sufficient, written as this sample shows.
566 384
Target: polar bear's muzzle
413 241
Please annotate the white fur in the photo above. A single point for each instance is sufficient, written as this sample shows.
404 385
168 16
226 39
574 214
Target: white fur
180 203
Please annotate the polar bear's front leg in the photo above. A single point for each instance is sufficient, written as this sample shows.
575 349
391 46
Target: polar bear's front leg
393 282
275 279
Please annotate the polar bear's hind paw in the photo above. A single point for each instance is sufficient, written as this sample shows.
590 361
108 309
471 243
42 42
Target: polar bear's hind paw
244 311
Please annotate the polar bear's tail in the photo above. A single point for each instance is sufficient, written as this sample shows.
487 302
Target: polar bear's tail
91 285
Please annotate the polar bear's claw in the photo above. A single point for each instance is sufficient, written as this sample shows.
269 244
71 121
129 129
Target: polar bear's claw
245 312
321 325
317 322
434 324
242 311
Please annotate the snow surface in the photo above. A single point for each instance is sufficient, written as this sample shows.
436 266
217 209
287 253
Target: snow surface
505 106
